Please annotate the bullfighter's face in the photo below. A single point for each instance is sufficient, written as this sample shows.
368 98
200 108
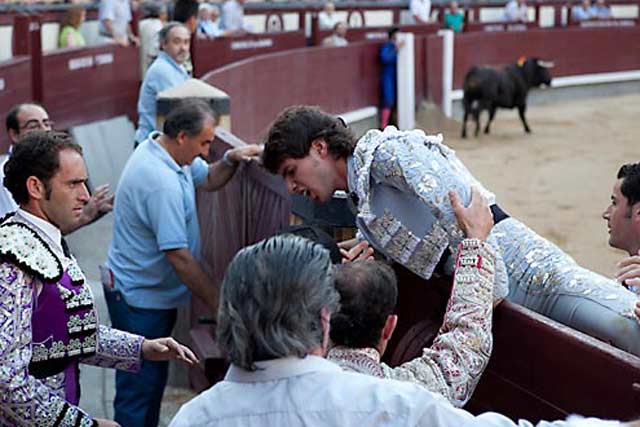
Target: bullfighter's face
623 221
315 175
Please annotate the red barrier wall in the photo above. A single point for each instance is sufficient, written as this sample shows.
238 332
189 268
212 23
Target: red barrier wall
338 79
434 68
574 50
15 87
209 55
80 85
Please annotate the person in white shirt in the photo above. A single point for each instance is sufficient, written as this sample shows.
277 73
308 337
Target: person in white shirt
276 303
327 19
516 11
29 117
233 16
420 11
338 37
209 21
149 29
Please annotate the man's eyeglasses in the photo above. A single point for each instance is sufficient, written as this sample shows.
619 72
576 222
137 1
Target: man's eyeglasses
35 124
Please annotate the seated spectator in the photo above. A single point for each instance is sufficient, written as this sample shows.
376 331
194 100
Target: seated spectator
601 10
233 16
209 21
582 12
148 28
327 19
337 37
276 303
420 11
454 18
115 22
70 35
516 11
452 366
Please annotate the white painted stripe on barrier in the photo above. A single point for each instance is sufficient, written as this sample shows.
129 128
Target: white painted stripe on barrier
447 71
406 93
360 114
581 80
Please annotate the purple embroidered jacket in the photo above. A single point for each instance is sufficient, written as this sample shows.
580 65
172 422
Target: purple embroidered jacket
48 326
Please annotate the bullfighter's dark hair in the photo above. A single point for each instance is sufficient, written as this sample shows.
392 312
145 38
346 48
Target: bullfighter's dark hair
295 128
38 154
368 294
630 188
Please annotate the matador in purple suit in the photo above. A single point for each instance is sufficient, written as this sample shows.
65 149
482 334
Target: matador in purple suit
48 321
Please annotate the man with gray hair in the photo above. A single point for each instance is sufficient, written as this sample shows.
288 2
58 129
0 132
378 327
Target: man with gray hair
277 299
166 71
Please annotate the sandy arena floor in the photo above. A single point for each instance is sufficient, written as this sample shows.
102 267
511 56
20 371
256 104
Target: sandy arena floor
558 179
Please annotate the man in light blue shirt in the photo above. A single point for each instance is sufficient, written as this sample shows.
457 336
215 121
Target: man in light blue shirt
166 71
153 256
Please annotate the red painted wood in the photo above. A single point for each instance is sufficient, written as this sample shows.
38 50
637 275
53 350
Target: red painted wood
376 33
103 84
212 54
15 88
574 50
337 79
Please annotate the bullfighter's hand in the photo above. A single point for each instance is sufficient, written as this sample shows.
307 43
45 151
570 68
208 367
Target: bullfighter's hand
628 271
106 423
250 153
161 349
475 220
360 252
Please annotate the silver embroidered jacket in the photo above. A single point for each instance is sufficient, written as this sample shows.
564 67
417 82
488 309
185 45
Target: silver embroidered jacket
452 366
25 400
402 180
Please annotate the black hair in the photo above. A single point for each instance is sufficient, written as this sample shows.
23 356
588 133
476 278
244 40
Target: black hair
630 188
188 116
368 295
38 154
184 10
392 31
295 128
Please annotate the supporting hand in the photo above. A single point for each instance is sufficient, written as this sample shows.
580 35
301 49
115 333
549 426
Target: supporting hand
161 349
359 252
628 271
245 154
475 220
106 423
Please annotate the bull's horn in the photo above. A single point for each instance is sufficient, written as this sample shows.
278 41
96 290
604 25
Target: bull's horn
546 64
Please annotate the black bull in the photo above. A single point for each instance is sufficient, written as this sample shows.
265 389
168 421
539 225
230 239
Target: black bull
487 89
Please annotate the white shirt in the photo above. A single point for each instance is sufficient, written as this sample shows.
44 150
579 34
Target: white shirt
326 21
513 12
7 204
315 392
232 16
119 12
421 9
148 30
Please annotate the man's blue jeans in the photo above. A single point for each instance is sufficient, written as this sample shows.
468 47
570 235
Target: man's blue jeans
138 396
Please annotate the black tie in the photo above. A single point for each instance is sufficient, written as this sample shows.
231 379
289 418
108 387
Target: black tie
65 248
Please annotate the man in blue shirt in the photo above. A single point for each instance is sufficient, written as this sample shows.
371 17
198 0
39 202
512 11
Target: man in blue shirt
153 256
166 71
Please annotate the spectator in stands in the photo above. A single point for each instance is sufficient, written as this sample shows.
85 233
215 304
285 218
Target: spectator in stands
389 59
70 35
582 12
454 17
516 11
327 18
233 16
154 253
186 12
276 304
338 37
23 119
115 22
166 71
209 21
420 11
452 366
149 29
601 10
